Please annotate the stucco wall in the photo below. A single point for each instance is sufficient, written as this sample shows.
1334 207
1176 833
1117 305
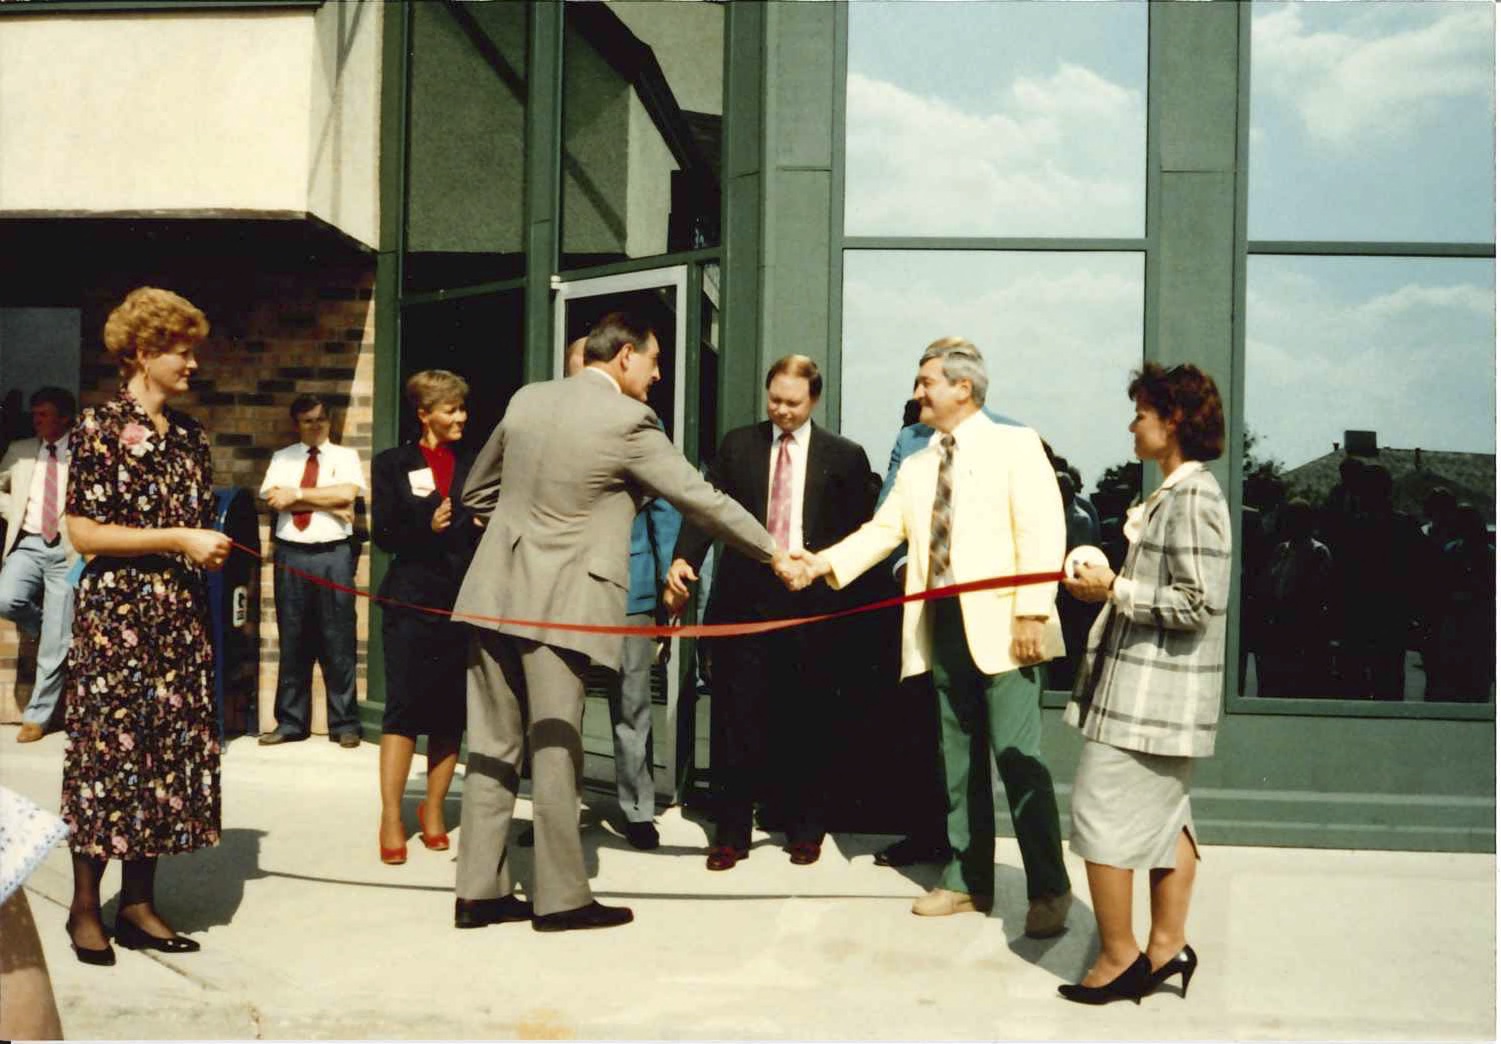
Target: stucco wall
185 111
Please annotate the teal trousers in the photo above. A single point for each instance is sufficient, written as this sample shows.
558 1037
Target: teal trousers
992 714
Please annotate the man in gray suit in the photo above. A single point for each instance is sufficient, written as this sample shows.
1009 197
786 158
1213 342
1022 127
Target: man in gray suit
558 485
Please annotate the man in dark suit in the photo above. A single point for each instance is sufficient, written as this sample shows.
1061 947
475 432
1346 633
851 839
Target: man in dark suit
773 692
558 485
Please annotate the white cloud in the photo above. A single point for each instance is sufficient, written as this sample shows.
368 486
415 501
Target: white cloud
1413 360
1371 79
1060 334
1062 155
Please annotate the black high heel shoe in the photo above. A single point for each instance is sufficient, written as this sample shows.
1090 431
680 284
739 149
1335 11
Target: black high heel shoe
134 937
1131 984
99 958
1185 963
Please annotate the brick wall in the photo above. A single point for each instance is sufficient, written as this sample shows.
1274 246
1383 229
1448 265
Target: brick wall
281 327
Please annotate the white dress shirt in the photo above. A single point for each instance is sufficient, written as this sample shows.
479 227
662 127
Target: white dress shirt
32 522
797 451
336 466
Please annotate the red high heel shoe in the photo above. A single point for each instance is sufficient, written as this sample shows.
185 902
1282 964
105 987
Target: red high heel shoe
433 842
394 856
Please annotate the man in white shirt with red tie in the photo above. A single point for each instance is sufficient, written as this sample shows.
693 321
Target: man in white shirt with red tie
312 486
36 557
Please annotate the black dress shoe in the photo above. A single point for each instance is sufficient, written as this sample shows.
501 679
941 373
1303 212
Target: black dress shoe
349 740
478 913
1131 984
643 836
592 916
134 937
99 958
724 857
911 850
1185 963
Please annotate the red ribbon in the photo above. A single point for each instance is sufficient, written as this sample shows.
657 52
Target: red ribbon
728 630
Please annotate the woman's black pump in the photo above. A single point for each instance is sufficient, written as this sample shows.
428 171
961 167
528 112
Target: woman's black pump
1130 984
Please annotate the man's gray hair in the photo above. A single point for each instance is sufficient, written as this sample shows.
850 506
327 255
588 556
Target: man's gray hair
962 361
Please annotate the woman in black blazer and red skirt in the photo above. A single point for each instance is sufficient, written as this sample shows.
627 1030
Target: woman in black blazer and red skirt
418 518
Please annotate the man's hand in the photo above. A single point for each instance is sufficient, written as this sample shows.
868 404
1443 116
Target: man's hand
345 515
798 569
675 592
1091 583
281 498
1026 639
443 516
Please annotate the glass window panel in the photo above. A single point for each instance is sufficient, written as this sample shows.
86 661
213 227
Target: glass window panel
996 119
1373 122
1060 332
481 339
465 157
1370 387
643 87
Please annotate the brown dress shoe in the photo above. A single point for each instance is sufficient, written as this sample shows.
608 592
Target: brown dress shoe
724 857
30 732
941 902
1047 915
804 853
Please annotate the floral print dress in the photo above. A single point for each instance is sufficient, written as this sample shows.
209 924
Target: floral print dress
141 765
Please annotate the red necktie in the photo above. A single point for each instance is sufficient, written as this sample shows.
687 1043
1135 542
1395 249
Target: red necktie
779 517
49 496
300 519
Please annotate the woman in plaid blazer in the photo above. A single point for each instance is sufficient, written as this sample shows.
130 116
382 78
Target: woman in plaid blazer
1149 689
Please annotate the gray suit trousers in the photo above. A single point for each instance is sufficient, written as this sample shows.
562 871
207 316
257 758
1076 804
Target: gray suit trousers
513 681
630 719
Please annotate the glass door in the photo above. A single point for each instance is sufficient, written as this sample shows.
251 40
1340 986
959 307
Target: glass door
657 296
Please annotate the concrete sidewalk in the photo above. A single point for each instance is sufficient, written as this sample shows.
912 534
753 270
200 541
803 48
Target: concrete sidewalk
306 934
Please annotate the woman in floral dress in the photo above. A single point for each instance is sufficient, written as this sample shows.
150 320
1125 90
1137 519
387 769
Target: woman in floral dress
141 765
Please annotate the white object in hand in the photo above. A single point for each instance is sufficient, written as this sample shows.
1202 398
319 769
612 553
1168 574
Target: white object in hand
1083 555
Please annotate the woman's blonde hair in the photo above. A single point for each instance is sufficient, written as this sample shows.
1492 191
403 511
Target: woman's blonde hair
150 321
427 389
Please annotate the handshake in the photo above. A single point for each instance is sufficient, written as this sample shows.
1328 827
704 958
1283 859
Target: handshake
796 569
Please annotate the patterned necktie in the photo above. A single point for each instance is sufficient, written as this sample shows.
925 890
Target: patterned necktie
779 516
49 496
300 519
943 518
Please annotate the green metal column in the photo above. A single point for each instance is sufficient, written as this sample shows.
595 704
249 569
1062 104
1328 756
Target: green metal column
385 412
740 273
1192 170
544 129
801 78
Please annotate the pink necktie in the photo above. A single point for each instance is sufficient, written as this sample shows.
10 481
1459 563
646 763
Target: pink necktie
779 517
49 496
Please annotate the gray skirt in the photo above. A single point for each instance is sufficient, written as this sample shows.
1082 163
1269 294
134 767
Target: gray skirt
1128 807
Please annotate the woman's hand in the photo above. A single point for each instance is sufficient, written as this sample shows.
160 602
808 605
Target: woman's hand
1091 583
206 547
443 517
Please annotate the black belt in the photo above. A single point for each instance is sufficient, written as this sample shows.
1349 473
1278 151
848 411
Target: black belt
22 534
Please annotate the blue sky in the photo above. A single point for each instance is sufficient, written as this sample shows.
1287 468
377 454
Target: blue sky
1370 121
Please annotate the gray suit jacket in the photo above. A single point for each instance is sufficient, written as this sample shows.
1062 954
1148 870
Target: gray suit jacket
15 485
559 482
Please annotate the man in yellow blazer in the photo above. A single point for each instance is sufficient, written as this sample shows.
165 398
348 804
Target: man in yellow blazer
980 501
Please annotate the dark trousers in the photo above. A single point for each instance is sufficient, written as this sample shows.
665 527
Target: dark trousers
769 733
315 623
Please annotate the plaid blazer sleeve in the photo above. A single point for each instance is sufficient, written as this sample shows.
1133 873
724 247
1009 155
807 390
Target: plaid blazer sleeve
1153 675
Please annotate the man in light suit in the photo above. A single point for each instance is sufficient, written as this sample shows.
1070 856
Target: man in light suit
559 483
37 555
979 502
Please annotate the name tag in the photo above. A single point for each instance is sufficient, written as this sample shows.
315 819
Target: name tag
422 482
